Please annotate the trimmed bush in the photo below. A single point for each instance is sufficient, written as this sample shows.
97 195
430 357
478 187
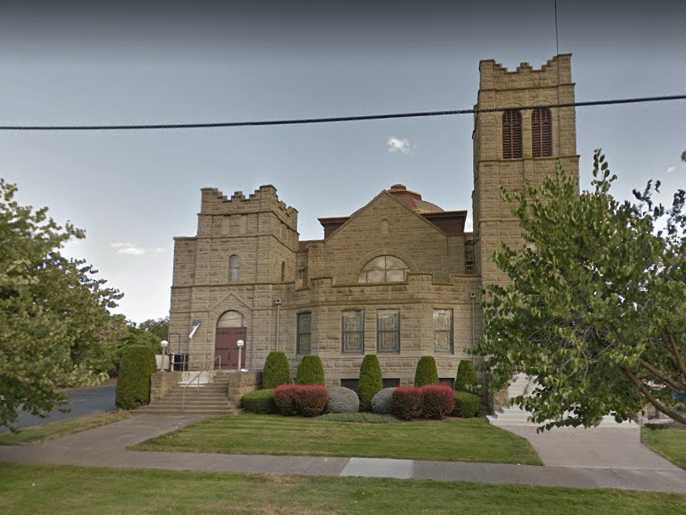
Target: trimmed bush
276 371
406 403
371 381
466 380
260 401
308 400
381 402
437 401
136 367
342 400
467 405
426 372
310 371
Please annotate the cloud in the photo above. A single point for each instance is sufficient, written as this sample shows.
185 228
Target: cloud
131 249
401 145
670 169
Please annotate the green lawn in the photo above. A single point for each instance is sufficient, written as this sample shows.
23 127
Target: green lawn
448 440
73 490
61 427
671 443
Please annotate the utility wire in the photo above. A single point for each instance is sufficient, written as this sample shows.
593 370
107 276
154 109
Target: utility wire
333 119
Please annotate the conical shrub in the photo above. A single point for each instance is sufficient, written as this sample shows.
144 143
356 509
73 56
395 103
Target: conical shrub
371 381
310 371
466 380
276 370
426 372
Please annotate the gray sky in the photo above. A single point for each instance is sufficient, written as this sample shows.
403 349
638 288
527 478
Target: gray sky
255 60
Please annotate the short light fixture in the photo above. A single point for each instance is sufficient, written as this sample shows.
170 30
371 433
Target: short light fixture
164 344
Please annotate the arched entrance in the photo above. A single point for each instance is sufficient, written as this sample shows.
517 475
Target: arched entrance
230 329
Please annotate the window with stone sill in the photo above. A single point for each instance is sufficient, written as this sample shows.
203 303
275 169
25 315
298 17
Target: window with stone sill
388 330
443 330
304 327
234 268
352 331
384 269
512 134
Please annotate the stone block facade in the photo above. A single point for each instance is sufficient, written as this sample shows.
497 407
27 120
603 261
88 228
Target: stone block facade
398 262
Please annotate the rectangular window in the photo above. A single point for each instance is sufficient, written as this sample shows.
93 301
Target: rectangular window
388 330
350 383
443 330
391 382
303 343
353 331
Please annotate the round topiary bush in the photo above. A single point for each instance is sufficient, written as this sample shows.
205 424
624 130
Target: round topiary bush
136 367
343 400
406 402
308 400
467 405
310 371
260 401
371 381
466 380
276 370
426 372
381 402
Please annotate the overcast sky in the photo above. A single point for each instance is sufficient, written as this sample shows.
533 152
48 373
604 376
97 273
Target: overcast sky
134 191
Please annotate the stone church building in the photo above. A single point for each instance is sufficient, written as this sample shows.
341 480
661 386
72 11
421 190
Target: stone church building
399 277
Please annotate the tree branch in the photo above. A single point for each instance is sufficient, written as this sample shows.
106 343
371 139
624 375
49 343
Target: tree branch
677 387
681 366
651 398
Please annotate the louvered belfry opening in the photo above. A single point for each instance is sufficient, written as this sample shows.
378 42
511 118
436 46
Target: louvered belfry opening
512 134
541 124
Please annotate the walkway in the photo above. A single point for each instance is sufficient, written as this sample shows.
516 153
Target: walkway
80 401
106 447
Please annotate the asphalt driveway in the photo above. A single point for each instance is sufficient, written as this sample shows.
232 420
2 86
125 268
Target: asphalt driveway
80 401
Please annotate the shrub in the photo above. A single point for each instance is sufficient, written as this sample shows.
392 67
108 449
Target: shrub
426 372
381 402
276 371
343 400
466 405
308 400
260 401
310 371
136 367
371 381
466 380
437 401
407 402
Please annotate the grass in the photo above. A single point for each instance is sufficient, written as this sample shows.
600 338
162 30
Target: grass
447 440
61 427
83 491
669 442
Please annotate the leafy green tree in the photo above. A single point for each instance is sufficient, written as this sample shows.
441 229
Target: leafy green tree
54 311
595 308
159 327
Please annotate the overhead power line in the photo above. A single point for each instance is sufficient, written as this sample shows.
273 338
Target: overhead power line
330 119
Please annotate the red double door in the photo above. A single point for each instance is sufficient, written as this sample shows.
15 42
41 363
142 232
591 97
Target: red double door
226 348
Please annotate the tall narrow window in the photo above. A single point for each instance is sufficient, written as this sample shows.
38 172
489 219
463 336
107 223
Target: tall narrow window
234 268
443 330
352 336
388 330
512 134
303 342
542 132
283 271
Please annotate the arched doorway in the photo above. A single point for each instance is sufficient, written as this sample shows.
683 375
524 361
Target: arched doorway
230 329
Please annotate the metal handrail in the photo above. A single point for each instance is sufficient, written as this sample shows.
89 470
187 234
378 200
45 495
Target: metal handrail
187 385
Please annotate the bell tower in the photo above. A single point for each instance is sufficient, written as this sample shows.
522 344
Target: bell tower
520 141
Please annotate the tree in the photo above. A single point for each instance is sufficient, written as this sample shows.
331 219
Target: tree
595 306
158 327
54 311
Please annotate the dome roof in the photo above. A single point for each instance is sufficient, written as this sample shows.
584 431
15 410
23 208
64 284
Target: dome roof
413 200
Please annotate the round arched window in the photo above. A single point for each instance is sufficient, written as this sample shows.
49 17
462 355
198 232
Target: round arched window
384 269
230 319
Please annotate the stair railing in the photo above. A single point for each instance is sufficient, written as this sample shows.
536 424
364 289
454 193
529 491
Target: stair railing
188 385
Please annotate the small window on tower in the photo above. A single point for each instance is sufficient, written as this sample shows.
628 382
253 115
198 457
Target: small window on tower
234 268
512 134
542 132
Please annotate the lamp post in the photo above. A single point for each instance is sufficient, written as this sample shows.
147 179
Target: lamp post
164 366
240 344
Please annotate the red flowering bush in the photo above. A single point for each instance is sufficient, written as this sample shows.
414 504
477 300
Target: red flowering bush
308 400
406 403
438 400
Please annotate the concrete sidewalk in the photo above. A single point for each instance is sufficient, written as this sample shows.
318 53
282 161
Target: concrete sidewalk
106 447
